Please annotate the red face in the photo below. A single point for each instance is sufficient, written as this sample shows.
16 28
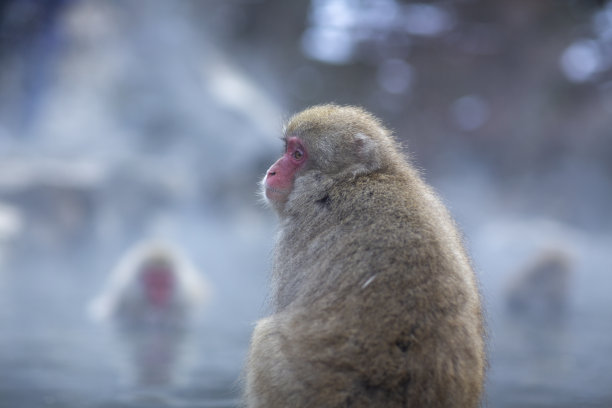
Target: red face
158 283
278 182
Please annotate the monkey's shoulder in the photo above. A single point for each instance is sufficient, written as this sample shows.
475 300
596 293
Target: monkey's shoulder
377 196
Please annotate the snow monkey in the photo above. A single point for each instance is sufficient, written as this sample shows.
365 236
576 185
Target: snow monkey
375 301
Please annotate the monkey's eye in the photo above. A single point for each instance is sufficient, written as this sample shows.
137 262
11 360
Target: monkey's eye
298 155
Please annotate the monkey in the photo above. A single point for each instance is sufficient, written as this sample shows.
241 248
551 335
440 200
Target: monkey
540 291
375 302
151 301
152 285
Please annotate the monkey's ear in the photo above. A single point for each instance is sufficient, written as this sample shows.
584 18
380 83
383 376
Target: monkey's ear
367 151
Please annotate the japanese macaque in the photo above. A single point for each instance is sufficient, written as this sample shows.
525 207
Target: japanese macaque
152 285
540 292
375 302
151 297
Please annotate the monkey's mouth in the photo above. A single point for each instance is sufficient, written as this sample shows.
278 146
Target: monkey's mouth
273 193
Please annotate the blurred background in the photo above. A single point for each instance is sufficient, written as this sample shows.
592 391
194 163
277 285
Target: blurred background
128 121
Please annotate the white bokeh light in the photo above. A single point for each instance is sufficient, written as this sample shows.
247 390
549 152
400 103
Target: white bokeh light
581 60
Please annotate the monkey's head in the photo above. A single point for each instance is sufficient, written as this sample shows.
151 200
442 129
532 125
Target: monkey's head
324 144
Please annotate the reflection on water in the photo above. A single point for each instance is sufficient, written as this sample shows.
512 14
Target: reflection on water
150 300
154 353
52 353
549 313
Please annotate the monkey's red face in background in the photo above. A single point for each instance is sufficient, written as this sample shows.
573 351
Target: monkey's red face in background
158 281
278 181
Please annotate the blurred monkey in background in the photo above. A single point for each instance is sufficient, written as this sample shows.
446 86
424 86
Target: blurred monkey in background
151 299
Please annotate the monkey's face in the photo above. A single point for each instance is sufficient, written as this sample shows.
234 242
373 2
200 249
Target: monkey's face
158 284
324 145
278 182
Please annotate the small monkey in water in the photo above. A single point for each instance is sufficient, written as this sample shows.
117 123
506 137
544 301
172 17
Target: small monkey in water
375 301
153 285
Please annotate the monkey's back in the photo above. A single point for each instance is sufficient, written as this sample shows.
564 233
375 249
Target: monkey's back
377 302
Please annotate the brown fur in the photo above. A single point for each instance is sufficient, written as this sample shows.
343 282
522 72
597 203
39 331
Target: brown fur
376 304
